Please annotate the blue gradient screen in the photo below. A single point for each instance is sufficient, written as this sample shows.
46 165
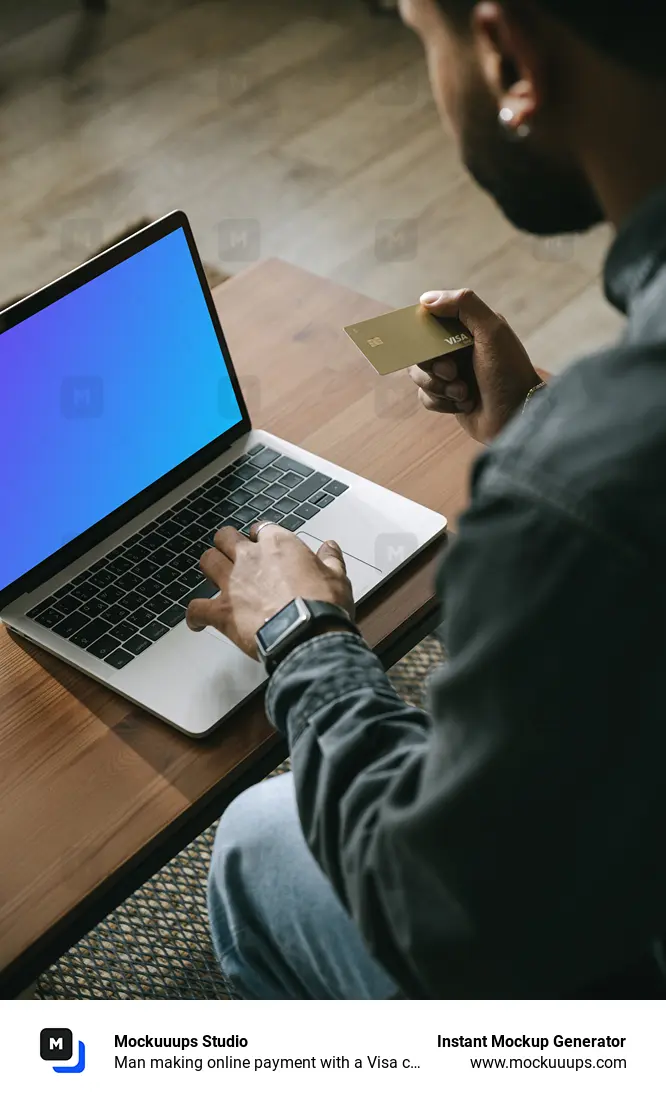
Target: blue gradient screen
101 394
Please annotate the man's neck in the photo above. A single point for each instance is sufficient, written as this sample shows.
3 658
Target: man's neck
622 148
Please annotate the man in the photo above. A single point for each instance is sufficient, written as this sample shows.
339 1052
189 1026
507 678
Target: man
507 843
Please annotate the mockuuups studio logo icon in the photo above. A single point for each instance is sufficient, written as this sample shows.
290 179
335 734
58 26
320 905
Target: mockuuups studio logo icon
56 1044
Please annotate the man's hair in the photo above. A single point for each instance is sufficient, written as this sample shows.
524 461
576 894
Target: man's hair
630 33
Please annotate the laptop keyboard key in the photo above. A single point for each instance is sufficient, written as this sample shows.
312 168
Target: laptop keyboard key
191 578
177 544
285 463
181 562
89 633
64 591
168 529
175 591
149 588
291 480
162 556
145 569
243 516
310 486
118 565
114 614
194 531
275 491
67 627
240 497
173 616
337 488
185 515
306 511
93 608
85 591
215 494
123 631
154 631
137 644
158 604
232 481
292 523
102 577
271 515
271 474
65 606
264 457
323 499
153 541
49 617
256 485
119 658
140 618
166 574
283 506
136 553
131 601
261 502
128 581
103 646
111 594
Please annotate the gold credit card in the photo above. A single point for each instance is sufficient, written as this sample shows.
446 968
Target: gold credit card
403 337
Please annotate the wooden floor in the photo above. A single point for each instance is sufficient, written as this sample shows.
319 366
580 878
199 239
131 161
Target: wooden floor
297 128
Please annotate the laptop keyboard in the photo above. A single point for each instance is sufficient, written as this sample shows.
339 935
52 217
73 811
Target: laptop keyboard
135 595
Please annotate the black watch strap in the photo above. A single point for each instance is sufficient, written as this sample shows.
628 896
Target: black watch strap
310 616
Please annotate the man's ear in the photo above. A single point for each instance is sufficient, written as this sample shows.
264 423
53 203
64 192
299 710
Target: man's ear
510 61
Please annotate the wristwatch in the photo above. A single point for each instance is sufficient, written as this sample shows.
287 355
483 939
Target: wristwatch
296 622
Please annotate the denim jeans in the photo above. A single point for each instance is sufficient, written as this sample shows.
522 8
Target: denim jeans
279 930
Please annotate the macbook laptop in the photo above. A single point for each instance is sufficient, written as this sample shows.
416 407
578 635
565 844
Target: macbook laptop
125 445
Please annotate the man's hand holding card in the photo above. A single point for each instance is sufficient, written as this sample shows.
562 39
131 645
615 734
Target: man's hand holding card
464 358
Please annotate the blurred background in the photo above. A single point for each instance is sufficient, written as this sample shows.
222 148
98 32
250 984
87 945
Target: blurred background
297 128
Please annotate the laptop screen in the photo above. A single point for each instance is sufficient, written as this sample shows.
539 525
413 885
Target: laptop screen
103 393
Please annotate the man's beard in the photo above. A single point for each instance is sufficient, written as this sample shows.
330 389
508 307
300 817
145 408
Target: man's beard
536 193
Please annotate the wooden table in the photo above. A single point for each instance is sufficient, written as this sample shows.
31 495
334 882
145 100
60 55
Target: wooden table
95 795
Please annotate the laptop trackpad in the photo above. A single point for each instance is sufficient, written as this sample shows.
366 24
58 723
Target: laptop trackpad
362 576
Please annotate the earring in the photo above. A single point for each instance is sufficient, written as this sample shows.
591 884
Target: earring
506 119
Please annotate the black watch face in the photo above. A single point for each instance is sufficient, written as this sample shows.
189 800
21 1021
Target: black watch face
273 630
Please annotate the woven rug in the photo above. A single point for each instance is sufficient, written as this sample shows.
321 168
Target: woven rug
156 945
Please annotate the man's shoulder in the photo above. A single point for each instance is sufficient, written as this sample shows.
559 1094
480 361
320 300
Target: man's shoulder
594 445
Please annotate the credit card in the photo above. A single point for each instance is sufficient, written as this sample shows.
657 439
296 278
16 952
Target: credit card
403 337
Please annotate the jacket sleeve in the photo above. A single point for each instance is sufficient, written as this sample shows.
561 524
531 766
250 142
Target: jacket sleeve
495 847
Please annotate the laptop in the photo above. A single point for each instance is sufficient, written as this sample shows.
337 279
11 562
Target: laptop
125 445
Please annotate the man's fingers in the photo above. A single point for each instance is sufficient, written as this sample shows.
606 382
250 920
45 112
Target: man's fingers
217 568
464 304
437 388
427 381
438 404
264 529
200 613
227 541
331 555
445 369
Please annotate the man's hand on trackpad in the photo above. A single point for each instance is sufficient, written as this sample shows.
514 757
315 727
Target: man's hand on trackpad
257 577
